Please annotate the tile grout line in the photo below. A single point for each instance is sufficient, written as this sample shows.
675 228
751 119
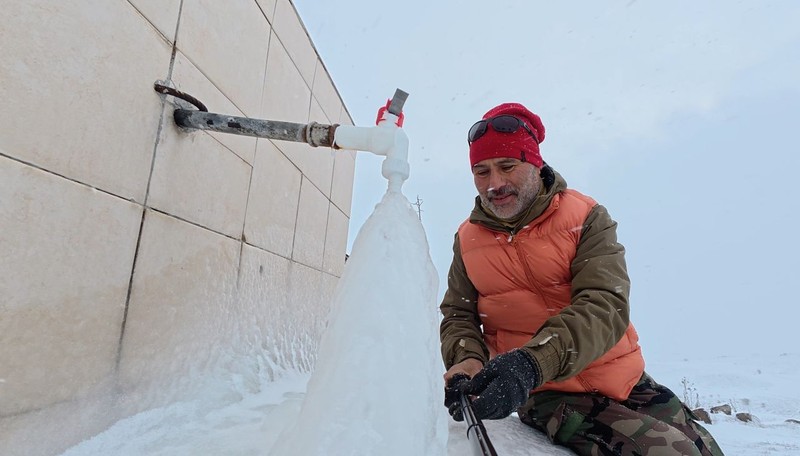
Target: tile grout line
219 89
311 97
255 150
69 179
270 252
194 224
303 178
315 52
294 64
161 123
243 239
311 100
325 237
214 84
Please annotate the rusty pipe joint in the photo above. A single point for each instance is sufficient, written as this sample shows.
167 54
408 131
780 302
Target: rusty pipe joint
317 134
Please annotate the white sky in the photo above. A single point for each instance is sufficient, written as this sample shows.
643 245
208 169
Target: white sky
679 116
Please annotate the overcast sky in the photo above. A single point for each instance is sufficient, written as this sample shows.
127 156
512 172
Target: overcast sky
680 117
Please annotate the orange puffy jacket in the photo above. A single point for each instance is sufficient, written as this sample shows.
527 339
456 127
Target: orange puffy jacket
525 279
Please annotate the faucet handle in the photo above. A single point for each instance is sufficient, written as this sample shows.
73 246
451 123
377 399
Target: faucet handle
393 107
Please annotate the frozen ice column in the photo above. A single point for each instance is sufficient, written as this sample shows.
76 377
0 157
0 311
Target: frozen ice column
387 139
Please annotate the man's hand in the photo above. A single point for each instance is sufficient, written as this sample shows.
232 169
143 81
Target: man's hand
503 384
452 395
469 367
454 379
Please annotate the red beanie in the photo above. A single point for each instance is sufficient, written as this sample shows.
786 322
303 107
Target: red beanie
519 145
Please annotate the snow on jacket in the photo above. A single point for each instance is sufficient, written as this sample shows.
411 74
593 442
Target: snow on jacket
555 284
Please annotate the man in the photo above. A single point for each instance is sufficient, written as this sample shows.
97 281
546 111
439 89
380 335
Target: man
536 316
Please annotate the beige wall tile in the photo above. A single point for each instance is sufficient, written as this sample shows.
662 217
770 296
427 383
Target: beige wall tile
264 297
290 303
342 187
73 103
163 14
198 179
293 35
316 163
180 313
317 114
335 242
286 96
344 116
268 8
327 293
326 94
67 252
189 79
273 201
312 218
77 86
263 285
54 429
228 42
308 311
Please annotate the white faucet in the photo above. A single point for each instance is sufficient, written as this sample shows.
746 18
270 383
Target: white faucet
387 139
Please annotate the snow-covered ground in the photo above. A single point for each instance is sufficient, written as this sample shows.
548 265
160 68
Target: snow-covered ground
765 386
368 397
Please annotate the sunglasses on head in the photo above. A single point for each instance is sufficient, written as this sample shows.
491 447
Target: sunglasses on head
504 123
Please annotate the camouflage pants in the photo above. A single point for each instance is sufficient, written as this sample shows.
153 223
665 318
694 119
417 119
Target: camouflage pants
652 421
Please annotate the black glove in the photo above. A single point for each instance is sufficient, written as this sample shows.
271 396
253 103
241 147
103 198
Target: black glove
502 385
452 395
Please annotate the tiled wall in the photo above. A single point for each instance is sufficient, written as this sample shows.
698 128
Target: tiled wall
123 238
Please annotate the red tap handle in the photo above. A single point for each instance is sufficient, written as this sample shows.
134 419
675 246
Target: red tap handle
383 111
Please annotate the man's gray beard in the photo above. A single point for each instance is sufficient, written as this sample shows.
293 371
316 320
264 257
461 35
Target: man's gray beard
525 196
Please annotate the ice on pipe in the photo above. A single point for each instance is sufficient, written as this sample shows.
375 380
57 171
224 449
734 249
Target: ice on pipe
374 389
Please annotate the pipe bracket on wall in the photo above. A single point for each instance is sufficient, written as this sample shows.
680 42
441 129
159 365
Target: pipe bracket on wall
166 90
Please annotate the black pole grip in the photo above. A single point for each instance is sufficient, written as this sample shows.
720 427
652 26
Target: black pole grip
476 432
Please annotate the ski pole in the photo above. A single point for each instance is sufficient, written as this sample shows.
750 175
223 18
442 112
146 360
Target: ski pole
476 432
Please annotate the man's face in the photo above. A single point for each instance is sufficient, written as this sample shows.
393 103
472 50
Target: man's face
506 186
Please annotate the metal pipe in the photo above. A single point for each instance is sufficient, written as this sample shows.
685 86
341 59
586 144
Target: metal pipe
387 138
312 133
476 432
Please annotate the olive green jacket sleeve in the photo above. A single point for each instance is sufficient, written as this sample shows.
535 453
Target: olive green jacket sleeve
460 329
598 314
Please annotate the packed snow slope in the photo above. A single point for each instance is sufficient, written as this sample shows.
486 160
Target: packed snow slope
761 384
